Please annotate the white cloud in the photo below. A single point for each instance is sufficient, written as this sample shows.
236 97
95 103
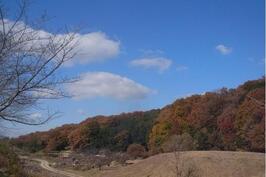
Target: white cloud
36 115
191 94
223 49
159 63
89 47
151 52
104 84
181 68
95 46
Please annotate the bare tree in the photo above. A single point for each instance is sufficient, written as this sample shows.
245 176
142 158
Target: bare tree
29 59
179 144
185 168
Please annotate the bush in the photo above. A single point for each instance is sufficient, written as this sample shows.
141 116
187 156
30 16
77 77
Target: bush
182 142
136 150
9 162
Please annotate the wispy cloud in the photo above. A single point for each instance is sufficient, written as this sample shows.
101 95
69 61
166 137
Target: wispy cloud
260 61
81 111
36 115
251 59
181 68
158 63
151 52
104 84
223 49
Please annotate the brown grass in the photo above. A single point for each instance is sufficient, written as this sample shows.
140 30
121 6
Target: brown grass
207 164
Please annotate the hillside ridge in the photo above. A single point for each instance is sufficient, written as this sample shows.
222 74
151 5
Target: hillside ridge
227 119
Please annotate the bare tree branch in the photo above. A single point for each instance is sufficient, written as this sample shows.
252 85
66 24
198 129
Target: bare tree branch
29 59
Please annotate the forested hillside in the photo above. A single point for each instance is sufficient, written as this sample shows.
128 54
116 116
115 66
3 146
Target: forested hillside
110 132
227 119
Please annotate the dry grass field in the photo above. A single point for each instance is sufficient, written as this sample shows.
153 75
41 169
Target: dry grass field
198 163
205 164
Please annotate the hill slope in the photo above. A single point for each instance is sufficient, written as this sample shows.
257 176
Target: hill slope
207 163
227 119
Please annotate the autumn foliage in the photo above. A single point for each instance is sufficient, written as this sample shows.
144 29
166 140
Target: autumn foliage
136 150
226 119
115 133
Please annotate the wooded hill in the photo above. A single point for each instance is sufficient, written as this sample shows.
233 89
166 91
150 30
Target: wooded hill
227 119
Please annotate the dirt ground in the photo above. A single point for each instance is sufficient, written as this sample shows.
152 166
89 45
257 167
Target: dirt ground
34 169
198 163
204 163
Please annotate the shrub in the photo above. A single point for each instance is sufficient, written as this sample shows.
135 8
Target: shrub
136 150
182 142
9 162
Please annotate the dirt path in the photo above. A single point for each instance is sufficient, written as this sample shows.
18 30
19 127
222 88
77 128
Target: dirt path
45 165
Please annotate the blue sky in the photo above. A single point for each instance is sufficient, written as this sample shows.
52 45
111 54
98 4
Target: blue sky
153 52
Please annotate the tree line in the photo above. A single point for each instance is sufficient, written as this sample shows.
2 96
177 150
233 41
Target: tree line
227 119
